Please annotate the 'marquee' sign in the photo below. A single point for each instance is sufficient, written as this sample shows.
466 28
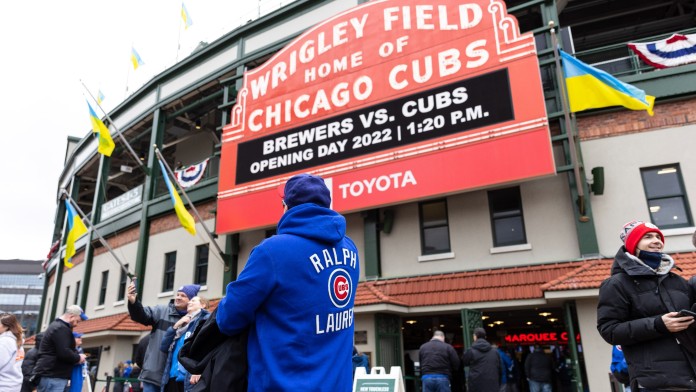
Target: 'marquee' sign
389 102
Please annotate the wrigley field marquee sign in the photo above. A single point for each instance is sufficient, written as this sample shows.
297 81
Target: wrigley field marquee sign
391 101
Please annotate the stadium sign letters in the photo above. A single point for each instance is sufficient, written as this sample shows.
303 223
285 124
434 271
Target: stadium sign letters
391 101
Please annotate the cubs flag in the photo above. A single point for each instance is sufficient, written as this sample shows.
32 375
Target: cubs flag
679 49
106 143
592 88
184 217
75 230
186 16
135 59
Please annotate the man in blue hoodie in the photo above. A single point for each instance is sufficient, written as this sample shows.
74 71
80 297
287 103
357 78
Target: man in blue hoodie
296 296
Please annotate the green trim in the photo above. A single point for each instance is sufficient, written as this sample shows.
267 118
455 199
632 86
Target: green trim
388 331
232 258
157 138
573 345
371 259
98 200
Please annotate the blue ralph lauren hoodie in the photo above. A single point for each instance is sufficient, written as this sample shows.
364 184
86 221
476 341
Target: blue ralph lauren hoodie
296 293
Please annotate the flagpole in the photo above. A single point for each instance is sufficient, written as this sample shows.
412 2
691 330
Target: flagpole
568 125
118 133
94 230
188 200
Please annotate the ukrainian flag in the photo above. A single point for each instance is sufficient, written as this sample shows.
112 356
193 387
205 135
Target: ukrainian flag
186 17
76 229
592 88
100 97
184 217
106 143
135 59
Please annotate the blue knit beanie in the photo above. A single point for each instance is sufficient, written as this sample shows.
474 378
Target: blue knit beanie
191 290
306 188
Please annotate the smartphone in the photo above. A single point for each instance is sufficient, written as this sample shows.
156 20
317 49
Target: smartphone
685 312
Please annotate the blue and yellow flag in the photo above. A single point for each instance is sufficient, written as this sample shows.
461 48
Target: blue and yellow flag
592 88
184 217
106 143
135 59
76 229
100 97
186 16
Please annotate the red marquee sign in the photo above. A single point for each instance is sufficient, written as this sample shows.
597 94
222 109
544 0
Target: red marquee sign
539 337
392 101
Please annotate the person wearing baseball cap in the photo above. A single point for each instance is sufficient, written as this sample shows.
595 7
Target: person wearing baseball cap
639 309
296 295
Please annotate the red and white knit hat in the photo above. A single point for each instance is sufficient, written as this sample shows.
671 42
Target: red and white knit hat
634 230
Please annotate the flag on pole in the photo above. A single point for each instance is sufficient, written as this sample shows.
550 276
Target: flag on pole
135 59
100 97
185 218
186 16
106 143
76 228
592 88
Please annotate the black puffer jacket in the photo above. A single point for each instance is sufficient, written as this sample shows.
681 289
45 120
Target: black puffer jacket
437 357
484 367
631 304
57 354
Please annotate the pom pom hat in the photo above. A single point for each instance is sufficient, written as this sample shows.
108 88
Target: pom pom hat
634 230
306 188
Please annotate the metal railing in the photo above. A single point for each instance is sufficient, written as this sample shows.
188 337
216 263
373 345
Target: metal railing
619 59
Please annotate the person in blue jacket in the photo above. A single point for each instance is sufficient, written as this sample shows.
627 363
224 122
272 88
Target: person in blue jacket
175 377
295 296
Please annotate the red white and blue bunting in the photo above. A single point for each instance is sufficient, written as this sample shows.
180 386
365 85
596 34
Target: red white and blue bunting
189 176
679 49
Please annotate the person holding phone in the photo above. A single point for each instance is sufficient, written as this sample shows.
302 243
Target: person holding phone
639 308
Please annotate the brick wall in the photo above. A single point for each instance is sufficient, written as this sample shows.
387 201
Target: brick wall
621 122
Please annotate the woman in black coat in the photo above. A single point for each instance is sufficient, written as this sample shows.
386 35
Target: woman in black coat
638 309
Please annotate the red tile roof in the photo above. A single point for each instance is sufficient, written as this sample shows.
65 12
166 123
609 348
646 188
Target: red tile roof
115 322
591 274
463 287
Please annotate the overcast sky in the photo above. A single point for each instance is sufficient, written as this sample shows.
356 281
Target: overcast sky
48 47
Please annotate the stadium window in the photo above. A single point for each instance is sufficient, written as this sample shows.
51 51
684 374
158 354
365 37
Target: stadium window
507 221
201 273
169 268
77 292
122 284
666 197
67 296
434 227
102 289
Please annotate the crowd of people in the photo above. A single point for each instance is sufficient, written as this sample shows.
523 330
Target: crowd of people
257 338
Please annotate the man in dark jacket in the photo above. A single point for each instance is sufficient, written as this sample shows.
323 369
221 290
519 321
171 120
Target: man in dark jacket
437 361
160 317
29 362
296 295
539 368
57 353
484 364
638 309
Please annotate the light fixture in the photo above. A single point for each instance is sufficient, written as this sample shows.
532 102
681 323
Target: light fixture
545 314
198 123
485 317
491 325
654 208
442 325
411 322
552 320
498 322
529 323
667 170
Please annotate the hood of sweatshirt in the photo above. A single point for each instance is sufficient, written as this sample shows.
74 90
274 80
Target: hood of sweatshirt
314 222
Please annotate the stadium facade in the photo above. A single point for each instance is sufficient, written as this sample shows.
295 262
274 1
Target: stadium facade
440 128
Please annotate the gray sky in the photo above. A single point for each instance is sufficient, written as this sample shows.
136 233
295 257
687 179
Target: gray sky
48 47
